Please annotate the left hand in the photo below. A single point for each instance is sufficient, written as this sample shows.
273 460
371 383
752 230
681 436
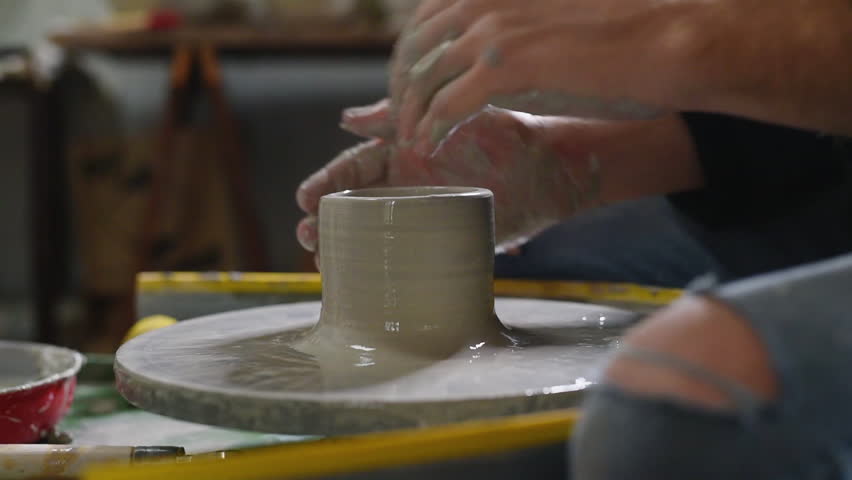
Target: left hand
607 59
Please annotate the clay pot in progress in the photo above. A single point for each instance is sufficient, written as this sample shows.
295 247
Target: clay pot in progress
406 335
408 268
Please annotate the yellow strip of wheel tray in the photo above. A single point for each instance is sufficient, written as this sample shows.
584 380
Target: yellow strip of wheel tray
364 452
309 283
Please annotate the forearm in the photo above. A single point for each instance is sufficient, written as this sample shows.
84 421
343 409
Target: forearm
787 62
634 159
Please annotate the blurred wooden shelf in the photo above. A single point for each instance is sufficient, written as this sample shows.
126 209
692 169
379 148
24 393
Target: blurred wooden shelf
238 38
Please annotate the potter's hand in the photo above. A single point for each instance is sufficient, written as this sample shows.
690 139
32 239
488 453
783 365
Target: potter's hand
370 121
623 59
496 149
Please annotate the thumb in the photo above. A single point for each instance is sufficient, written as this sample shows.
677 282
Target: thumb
371 121
358 167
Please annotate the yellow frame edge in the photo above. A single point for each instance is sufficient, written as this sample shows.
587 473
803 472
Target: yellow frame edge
365 452
311 284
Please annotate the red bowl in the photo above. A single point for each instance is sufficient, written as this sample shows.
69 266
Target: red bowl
36 389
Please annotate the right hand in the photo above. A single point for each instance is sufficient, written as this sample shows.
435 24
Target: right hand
497 149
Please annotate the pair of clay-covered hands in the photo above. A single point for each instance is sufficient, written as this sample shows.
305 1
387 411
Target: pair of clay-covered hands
496 149
541 169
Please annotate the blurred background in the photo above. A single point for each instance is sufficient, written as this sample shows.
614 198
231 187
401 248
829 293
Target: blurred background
165 135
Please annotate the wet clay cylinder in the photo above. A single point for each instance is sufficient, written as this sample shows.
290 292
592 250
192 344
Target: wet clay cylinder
407 268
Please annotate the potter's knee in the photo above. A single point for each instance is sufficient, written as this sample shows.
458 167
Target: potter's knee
672 395
625 436
705 335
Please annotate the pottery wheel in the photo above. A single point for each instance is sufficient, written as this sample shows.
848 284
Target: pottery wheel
243 370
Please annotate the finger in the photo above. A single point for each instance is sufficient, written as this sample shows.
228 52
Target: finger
307 233
370 121
441 117
444 64
359 166
446 25
307 230
427 83
483 47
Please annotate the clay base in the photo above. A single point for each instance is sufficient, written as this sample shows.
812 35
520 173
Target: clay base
249 369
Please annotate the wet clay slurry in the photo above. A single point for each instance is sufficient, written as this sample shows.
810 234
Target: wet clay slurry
407 332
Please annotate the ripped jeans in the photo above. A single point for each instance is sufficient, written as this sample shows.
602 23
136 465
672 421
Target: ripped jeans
804 318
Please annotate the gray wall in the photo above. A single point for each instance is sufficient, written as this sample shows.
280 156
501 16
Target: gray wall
14 192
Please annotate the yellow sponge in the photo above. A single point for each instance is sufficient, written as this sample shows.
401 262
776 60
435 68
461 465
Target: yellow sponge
148 324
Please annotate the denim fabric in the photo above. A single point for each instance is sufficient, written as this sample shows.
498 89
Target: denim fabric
804 318
625 436
638 242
